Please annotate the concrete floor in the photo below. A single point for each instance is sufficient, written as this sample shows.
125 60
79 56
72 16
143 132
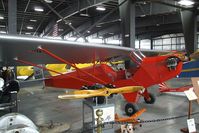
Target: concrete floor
43 107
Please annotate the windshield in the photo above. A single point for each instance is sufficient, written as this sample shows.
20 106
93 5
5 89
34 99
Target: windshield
137 56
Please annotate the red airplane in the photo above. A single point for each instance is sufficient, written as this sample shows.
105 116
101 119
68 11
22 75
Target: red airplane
140 71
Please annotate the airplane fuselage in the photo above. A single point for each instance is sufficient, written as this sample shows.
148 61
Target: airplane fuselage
152 70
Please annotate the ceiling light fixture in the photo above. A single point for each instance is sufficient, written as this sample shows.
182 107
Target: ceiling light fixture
60 29
127 35
68 23
4 32
157 24
84 15
1 17
29 27
186 2
39 9
33 20
142 15
27 33
98 26
48 1
100 8
2 26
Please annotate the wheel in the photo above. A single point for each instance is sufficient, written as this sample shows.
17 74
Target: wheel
152 99
131 109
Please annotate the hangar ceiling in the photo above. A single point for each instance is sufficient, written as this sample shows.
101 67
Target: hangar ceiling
153 17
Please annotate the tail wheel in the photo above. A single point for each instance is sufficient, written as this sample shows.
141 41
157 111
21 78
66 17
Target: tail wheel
151 99
131 109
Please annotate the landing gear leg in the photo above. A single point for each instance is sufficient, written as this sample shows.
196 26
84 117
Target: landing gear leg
131 109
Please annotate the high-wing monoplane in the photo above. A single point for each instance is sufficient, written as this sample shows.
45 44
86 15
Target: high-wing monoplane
139 70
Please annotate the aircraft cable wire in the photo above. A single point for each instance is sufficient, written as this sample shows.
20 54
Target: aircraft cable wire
140 121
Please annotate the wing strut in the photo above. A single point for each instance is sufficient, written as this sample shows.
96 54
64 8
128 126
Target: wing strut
35 65
67 62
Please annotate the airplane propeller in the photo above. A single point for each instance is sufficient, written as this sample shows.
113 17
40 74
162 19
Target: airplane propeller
78 94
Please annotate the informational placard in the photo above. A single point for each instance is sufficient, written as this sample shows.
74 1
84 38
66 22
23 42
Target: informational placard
191 125
195 82
191 94
127 128
108 114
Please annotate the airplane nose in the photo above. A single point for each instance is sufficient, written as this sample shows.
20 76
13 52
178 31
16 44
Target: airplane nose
172 63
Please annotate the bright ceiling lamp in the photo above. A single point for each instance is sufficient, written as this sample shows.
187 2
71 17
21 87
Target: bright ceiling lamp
27 33
3 32
29 27
186 2
2 26
48 1
98 26
33 20
39 9
84 15
100 8
1 17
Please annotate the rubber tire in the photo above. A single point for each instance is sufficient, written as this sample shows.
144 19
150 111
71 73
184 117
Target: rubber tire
131 109
152 100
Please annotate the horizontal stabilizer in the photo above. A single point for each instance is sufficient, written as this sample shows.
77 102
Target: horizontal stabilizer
133 118
164 88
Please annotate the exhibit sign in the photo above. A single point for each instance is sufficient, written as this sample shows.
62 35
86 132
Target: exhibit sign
108 114
190 94
195 82
127 128
191 125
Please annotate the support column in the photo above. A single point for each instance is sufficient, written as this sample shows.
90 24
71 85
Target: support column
151 43
12 16
127 15
139 43
189 23
1 55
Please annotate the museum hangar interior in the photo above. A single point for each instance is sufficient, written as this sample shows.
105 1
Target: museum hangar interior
99 66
